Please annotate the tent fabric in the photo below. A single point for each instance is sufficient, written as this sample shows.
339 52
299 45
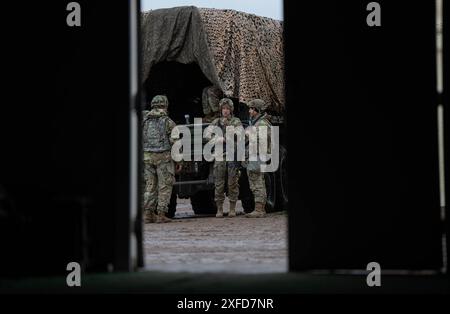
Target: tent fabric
240 53
175 34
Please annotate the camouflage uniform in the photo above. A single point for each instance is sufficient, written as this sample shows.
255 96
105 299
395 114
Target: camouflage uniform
210 102
224 170
159 168
255 176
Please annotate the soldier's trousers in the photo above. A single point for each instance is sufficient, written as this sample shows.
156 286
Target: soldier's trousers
257 185
159 177
222 171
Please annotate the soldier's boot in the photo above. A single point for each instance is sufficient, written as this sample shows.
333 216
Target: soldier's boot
232 212
219 209
259 211
149 216
161 217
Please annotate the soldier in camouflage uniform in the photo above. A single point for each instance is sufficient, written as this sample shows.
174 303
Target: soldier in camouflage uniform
225 169
159 168
211 96
256 180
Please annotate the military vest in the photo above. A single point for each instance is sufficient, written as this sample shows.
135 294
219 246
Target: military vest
156 139
260 117
223 127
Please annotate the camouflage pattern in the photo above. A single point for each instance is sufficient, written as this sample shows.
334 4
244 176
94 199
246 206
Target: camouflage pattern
257 185
263 120
226 102
241 53
222 123
152 115
159 168
255 176
210 99
160 101
225 170
159 177
258 104
248 54
156 139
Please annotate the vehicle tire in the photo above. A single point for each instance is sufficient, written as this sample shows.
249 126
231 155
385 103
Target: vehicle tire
248 204
245 194
282 182
271 191
172 205
203 203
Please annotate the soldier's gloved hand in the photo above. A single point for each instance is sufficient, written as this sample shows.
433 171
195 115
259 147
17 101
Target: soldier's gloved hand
178 168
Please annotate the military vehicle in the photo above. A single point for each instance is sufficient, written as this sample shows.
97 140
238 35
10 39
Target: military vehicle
195 56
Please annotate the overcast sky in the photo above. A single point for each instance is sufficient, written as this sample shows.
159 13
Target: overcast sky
268 8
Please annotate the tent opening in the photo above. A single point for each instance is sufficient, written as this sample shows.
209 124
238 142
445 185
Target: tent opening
182 84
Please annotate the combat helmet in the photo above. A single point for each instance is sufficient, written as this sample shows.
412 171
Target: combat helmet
160 101
226 102
258 104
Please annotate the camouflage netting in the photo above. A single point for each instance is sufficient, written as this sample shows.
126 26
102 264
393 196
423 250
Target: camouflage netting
239 52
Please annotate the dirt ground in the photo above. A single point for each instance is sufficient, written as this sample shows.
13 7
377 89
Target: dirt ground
208 244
